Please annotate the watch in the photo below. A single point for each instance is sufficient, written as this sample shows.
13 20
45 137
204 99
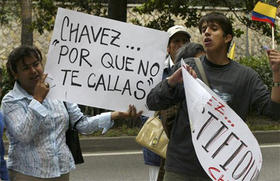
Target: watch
276 84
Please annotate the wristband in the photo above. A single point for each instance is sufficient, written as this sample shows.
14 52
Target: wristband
276 84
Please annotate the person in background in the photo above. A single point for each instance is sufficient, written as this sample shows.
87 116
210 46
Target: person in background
189 50
168 116
178 36
3 166
242 86
36 125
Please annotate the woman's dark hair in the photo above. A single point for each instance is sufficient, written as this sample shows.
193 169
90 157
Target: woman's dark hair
220 19
188 50
19 54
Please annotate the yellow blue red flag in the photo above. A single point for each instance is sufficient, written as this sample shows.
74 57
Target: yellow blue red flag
264 12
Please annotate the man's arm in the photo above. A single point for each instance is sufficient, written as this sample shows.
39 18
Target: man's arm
168 92
274 60
163 96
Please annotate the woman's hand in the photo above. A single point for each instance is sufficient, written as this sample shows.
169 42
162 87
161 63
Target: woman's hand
130 113
41 89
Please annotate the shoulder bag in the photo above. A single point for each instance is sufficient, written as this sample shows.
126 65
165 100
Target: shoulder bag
73 142
153 137
152 134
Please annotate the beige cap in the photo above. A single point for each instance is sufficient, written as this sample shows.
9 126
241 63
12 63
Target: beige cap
177 29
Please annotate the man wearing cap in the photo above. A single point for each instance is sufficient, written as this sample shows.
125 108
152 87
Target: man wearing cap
178 36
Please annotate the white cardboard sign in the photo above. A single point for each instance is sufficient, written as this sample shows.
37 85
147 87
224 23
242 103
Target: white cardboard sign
225 146
102 62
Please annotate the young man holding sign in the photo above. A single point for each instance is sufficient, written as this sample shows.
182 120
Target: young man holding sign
239 86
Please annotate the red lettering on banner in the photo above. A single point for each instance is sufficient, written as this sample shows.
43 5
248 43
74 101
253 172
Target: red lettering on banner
210 169
220 108
238 160
210 102
217 105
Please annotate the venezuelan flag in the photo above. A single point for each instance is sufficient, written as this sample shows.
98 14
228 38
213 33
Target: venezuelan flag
264 12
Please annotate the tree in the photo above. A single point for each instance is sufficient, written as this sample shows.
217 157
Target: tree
26 22
18 9
191 10
188 10
117 10
44 12
8 10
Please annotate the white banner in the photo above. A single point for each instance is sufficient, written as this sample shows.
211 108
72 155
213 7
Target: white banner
102 62
225 146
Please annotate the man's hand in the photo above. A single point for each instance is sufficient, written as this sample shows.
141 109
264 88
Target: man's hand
177 76
274 60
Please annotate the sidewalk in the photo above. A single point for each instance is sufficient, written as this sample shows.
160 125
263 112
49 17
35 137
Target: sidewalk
127 143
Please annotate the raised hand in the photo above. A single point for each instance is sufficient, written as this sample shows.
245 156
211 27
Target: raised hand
274 60
177 76
41 89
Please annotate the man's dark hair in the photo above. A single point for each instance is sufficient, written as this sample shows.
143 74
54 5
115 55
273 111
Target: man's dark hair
220 19
19 54
190 49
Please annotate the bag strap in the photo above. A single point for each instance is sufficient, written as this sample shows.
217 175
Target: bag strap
74 127
156 113
201 71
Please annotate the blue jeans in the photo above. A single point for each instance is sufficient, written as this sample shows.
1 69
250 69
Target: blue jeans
172 176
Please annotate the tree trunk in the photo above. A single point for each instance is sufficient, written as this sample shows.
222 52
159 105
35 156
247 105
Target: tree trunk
26 22
117 9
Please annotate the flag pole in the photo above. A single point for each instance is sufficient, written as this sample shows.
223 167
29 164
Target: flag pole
272 34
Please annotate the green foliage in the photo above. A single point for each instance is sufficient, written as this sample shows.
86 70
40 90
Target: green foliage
190 13
167 9
261 66
188 10
258 122
46 11
9 9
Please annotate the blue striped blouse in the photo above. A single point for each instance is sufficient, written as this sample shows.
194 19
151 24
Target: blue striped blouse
36 133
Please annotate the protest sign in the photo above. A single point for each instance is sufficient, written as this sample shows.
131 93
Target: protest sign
103 63
225 146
